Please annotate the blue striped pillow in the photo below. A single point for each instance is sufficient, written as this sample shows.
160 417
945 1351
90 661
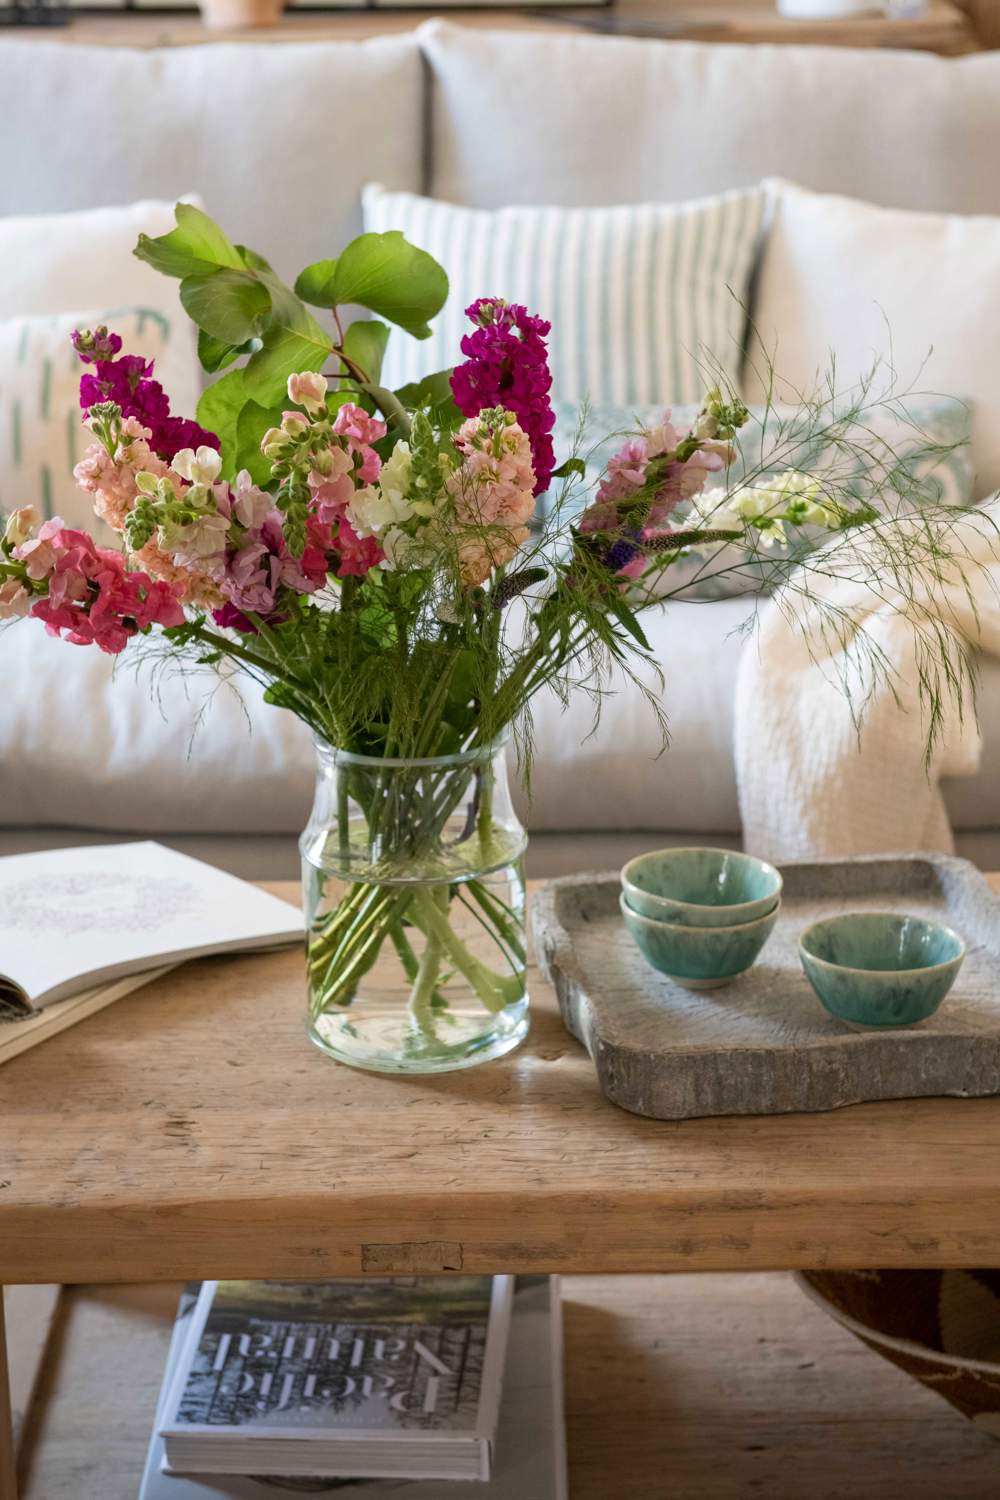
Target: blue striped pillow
638 297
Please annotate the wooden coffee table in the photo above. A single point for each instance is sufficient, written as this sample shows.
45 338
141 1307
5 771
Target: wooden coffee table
190 1131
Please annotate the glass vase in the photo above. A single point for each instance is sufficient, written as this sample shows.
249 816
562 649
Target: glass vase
413 883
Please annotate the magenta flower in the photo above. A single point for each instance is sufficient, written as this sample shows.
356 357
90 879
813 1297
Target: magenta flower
127 379
507 365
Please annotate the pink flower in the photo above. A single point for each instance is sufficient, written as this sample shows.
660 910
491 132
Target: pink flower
20 524
361 429
493 492
308 389
263 565
41 553
112 480
332 492
355 555
95 599
15 600
250 506
627 474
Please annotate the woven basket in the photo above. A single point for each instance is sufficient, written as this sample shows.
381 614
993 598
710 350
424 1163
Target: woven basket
941 1327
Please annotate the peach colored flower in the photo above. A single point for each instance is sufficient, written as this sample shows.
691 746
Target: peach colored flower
15 600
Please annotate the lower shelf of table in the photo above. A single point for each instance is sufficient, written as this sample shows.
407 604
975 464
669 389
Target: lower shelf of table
694 1387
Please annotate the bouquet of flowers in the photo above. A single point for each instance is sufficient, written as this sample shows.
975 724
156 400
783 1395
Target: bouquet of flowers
372 557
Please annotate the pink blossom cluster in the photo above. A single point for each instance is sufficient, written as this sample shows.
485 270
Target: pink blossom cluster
507 364
354 464
493 491
127 379
626 475
92 596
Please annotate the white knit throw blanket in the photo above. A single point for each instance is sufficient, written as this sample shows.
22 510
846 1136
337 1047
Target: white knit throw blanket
808 785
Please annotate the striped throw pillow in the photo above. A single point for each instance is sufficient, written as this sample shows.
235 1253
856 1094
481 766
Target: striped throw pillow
637 296
42 435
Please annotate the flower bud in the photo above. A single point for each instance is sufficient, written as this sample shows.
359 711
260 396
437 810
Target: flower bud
308 389
20 524
274 443
294 424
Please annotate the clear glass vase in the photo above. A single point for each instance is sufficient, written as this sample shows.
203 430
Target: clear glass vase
413 883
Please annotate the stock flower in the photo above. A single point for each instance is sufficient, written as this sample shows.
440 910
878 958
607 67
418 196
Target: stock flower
250 505
15 599
128 381
506 364
492 492
263 565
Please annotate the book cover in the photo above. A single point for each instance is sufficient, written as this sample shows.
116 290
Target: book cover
364 1367
530 1461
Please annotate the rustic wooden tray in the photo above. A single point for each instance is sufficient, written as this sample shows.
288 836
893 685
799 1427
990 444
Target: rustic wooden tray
764 1044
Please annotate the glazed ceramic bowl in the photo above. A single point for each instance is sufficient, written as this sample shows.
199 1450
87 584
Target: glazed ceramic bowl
699 958
701 887
880 968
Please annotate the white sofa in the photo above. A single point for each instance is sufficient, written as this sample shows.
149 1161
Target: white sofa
482 119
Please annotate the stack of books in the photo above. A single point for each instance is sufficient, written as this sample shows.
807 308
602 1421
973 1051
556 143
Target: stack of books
418 1388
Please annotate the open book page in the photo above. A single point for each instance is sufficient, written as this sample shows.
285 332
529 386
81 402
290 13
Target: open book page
74 919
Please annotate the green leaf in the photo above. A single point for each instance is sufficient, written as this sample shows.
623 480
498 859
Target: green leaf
364 343
292 341
391 277
315 283
195 248
433 394
629 620
229 305
216 354
251 424
571 466
219 410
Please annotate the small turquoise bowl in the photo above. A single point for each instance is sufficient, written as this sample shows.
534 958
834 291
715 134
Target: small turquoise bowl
699 958
701 887
880 968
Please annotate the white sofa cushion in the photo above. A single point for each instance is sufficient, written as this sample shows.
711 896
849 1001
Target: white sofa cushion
278 141
54 263
586 120
86 744
920 289
42 434
638 297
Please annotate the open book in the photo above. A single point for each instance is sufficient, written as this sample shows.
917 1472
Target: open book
82 927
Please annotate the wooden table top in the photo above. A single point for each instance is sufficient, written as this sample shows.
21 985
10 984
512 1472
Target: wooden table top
191 1130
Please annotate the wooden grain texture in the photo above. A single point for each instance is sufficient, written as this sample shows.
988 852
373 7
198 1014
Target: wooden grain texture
190 1130
763 1044
677 1388
943 28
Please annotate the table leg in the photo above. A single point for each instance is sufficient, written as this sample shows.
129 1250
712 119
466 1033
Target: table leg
8 1457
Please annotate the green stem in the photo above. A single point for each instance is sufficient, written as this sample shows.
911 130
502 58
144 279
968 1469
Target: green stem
496 991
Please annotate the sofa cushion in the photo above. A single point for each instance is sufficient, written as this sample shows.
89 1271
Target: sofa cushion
635 295
921 289
276 140
133 748
585 120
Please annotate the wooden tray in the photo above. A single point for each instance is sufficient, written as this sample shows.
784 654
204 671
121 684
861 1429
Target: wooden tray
764 1044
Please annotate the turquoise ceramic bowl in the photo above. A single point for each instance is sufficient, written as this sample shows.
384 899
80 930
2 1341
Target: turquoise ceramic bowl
700 958
701 887
880 968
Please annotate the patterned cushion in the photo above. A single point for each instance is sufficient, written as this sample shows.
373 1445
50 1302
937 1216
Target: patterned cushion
636 295
41 432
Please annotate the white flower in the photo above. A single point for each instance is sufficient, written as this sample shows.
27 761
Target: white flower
201 467
405 551
308 389
372 509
